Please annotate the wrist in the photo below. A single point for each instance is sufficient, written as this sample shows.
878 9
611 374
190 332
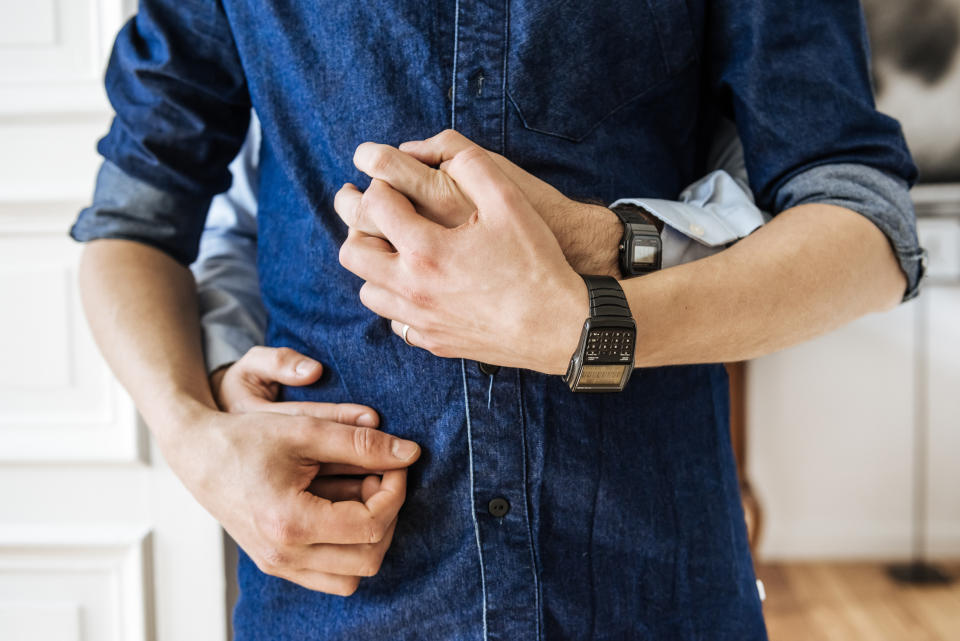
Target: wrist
589 235
568 318
174 416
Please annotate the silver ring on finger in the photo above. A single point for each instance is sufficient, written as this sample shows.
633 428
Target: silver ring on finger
403 334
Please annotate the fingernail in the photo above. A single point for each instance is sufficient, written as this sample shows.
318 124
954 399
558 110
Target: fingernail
404 450
305 367
367 420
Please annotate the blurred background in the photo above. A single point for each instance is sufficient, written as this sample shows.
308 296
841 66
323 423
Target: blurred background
849 445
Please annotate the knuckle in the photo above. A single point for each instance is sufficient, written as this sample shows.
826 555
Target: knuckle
374 531
364 440
422 299
346 586
418 296
362 213
442 190
273 560
426 339
285 352
470 155
346 254
280 356
420 263
436 348
281 531
365 295
371 562
448 135
381 160
255 352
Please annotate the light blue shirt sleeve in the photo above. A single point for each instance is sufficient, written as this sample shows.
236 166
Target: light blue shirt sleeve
232 314
718 210
713 212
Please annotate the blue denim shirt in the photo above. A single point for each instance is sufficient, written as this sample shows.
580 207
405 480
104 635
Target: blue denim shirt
624 519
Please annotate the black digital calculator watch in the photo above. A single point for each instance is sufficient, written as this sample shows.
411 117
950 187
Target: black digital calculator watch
640 247
603 361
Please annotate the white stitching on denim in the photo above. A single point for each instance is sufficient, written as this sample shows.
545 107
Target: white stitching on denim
456 45
526 498
473 511
503 95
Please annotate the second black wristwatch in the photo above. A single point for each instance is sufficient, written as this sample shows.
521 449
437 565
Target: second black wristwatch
640 246
603 361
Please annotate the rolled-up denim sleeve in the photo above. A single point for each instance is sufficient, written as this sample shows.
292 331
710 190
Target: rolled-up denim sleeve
182 108
795 78
878 196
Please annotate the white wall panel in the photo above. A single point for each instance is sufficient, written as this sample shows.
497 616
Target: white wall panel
57 398
84 584
28 24
39 620
52 54
72 549
50 161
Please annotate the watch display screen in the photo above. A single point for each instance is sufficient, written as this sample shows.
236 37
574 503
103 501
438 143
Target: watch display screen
602 374
644 254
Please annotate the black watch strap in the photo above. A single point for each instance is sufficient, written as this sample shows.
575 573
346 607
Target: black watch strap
635 215
641 246
603 360
606 297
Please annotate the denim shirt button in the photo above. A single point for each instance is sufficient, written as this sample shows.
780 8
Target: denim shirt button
498 507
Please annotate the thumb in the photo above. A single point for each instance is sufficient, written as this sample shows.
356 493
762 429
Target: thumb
438 149
279 365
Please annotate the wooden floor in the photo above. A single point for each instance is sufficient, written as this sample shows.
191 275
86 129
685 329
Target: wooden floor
856 602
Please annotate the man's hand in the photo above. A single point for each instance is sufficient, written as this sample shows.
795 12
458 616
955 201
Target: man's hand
482 290
253 471
588 234
251 385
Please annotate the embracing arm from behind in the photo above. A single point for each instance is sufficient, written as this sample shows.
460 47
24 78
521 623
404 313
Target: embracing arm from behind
482 290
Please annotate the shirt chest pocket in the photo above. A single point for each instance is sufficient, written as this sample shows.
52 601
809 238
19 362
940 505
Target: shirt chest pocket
572 64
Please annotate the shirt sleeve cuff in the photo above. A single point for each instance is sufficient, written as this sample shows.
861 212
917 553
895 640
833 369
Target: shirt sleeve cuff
128 208
711 214
880 197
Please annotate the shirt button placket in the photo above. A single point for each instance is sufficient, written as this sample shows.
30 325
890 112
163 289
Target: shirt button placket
499 502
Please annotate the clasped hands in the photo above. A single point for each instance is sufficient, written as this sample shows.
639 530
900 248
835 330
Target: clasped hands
481 259
478 257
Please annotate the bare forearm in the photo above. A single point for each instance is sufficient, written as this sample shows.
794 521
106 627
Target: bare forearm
809 271
141 305
589 236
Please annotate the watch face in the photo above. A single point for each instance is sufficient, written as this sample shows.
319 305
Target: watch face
645 252
606 375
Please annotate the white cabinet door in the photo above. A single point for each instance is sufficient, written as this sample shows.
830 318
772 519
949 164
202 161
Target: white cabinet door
98 540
